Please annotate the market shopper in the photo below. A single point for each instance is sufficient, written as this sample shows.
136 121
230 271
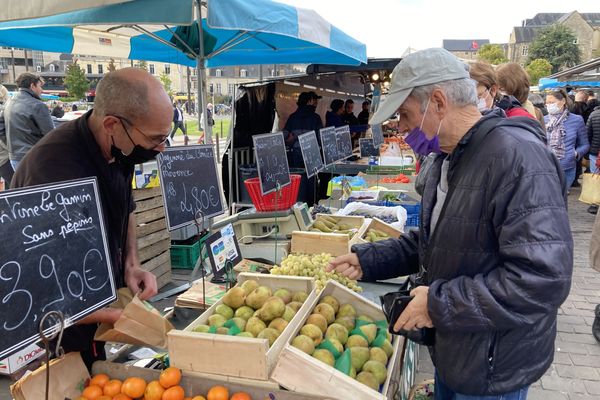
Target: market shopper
178 122
593 132
58 110
494 246
6 170
487 85
26 117
128 125
333 117
363 115
304 119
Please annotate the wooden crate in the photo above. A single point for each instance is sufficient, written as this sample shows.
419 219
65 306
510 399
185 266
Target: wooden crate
376 223
153 238
232 355
297 371
335 244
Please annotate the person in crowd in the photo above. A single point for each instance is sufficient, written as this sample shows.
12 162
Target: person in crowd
494 247
304 119
58 110
595 264
592 100
348 116
74 107
513 80
487 85
363 116
209 119
538 101
566 133
6 170
178 122
26 117
333 117
580 105
129 125
593 133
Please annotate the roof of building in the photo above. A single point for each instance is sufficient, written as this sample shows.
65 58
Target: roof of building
525 34
464 45
544 19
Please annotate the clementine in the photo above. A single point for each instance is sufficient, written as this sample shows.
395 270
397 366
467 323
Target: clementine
104 397
174 393
92 392
99 380
170 377
241 396
154 391
218 393
112 387
198 398
121 396
133 387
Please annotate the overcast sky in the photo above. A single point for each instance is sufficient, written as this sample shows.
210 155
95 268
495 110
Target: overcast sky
389 27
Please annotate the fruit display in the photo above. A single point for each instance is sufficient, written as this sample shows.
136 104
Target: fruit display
388 219
255 311
319 209
167 387
313 265
353 344
332 224
373 235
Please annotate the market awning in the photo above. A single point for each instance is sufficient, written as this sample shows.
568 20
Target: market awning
547 83
24 9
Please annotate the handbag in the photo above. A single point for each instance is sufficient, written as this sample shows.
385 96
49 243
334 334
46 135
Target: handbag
590 189
393 304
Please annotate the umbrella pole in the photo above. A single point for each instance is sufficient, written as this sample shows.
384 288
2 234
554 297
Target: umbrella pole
201 74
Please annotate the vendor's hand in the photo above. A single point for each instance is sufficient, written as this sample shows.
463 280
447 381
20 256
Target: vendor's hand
415 315
105 315
347 265
141 282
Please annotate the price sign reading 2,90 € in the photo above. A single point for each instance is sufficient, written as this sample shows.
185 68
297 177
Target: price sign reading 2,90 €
53 257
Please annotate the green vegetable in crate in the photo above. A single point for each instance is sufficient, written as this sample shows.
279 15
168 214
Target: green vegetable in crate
374 235
327 224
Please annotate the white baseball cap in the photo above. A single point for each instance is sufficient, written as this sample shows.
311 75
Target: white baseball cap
421 68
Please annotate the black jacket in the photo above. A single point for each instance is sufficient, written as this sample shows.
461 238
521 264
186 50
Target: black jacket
593 129
304 119
499 262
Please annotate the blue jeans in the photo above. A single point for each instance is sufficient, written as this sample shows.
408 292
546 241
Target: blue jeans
443 392
569 176
14 164
593 168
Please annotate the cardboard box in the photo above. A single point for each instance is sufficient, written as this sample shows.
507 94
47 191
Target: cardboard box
297 371
20 359
233 355
376 223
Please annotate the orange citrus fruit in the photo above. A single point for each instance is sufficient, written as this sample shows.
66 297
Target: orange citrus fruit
112 387
218 393
170 377
153 391
104 397
99 380
133 387
92 392
241 396
81 398
198 398
121 396
174 393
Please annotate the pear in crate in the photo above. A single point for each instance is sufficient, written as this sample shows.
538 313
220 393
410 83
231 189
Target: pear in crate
367 378
388 348
356 341
201 328
377 354
299 297
325 310
249 286
284 294
336 343
234 297
304 343
273 308
295 305
347 322
270 334
244 312
377 369
222 330
255 326
318 320
370 331
245 334
289 313
313 332
279 324
217 320
324 356
332 301
365 318
258 297
359 356
240 323
337 331
224 310
346 310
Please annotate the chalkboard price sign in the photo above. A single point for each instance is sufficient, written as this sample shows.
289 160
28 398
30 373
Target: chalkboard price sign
367 149
329 145
344 142
271 160
190 184
53 257
377 134
311 153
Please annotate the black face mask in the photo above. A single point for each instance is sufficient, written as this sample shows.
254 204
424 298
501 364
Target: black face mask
138 155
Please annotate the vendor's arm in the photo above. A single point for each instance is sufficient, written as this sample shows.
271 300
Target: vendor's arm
137 280
535 253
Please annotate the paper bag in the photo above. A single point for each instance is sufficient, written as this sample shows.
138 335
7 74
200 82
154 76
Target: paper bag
67 379
140 324
590 189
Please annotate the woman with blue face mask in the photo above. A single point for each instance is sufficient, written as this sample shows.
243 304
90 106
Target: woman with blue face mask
487 86
566 134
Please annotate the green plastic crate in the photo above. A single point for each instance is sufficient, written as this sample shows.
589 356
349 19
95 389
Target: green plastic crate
185 256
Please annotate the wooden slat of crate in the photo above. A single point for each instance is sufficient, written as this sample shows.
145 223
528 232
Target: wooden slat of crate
149 204
152 238
155 262
149 215
141 194
152 251
147 228
165 278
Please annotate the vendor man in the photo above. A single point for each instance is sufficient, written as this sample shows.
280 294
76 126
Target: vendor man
129 124
494 247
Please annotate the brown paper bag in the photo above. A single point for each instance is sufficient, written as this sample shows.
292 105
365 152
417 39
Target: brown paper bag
140 324
67 379
590 189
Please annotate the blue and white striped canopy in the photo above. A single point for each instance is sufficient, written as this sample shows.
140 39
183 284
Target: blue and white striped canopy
246 32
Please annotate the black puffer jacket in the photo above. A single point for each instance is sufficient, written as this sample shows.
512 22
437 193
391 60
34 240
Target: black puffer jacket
593 129
500 260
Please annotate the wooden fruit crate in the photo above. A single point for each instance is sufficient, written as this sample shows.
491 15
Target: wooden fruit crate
335 244
153 238
376 223
295 368
233 355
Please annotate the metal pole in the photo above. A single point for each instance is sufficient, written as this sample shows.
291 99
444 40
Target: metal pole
189 95
201 72
26 61
12 57
230 151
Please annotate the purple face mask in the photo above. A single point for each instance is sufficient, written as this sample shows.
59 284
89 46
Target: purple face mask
418 141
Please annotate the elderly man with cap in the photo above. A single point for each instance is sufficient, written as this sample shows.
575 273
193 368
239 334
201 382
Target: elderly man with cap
493 251
304 119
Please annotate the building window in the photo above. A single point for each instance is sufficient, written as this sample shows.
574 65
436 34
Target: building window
525 50
52 68
151 68
230 89
243 73
89 68
167 69
38 68
219 89
218 73
100 68
211 89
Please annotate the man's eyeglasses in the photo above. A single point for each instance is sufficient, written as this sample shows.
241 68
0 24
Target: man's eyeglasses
155 140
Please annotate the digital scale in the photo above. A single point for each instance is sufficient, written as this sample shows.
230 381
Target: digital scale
266 234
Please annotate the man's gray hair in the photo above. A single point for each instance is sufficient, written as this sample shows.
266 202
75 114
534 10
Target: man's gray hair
461 92
117 95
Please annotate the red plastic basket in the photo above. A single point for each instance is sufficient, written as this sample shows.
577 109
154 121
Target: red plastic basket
273 201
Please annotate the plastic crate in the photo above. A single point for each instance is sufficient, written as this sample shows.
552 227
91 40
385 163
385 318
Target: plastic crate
273 201
185 256
412 209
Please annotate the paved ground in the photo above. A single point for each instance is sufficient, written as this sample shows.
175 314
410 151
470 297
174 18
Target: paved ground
575 373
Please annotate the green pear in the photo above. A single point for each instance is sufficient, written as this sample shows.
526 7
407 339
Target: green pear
258 297
338 332
270 334
346 310
240 323
313 332
279 324
234 297
288 314
318 320
244 312
388 348
364 318
294 305
377 354
377 369
332 301
224 310
284 294
304 343
337 344
249 286
324 356
255 326
299 297
327 311
273 308
356 341
222 330
245 334
367 378
347 322
359 356
217 320
201 328
352 372
370 331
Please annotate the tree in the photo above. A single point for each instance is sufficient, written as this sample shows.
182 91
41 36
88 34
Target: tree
537 69
143 65
111 66
75 81
165 79
492 53
557 45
